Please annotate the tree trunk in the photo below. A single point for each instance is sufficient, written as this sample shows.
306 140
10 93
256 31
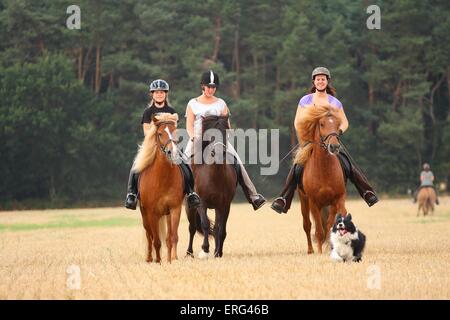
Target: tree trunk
40 43
98 76
80 63
217 41
86 63
397 95
237 63
277 79
433 116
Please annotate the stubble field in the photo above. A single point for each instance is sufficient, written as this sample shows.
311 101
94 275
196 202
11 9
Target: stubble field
100 254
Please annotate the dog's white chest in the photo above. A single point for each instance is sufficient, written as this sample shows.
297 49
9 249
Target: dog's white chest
342 249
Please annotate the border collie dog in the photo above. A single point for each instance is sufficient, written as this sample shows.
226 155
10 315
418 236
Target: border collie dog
347 242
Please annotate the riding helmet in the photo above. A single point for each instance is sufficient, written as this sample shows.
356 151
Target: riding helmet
210 78
159 84
321 70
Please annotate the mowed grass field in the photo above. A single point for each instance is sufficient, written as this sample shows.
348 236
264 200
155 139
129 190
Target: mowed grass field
406 257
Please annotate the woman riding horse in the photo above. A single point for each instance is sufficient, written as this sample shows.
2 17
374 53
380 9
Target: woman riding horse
322 93
207 104
159 103
426 181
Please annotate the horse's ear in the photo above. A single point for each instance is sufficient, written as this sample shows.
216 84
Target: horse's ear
338 216
154 119
348 217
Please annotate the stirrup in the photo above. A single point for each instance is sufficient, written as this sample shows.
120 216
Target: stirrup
275 206
258 202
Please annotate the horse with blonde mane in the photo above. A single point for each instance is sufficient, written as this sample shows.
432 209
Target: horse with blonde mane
426 199
160 185
323 183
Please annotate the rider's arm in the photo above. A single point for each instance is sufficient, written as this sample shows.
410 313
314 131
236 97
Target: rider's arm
298 117
226 112
190 117
343 118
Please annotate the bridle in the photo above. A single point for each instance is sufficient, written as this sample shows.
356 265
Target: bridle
163 147
324 141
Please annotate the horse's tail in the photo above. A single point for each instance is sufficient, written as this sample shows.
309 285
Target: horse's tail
194 218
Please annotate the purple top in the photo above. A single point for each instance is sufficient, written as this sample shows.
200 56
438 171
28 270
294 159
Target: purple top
308 100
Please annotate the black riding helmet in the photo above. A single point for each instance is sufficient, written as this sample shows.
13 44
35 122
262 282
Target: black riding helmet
209 78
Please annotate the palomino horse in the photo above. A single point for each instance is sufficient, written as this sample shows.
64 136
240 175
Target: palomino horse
426 199
323 179
160 185
215 183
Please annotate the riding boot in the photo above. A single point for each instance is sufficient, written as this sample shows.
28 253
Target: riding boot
283 203
256 199
193 200
132 190
359 180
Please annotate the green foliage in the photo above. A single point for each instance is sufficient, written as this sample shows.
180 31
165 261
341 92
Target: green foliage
71 100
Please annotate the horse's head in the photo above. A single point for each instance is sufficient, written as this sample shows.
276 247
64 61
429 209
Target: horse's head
319 125
214 130
328 127
166 125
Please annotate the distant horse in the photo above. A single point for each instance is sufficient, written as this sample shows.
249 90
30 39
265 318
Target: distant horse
426 199
160 185
215 183
323 179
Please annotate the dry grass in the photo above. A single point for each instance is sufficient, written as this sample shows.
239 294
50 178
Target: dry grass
264 257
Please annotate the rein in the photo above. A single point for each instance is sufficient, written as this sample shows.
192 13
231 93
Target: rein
163 147
323 141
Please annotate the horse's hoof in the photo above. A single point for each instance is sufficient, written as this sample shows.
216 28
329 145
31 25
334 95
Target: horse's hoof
189 255
203 255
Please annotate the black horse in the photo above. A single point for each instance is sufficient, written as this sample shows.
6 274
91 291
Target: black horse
215 182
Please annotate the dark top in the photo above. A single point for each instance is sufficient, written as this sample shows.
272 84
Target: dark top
150 111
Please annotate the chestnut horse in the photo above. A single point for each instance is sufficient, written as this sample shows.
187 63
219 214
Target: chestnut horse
160 185
215 183
323 179
426 199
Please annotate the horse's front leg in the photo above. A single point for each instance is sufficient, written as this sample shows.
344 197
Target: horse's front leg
222 216
192 218
175 214
338 207
316 212
306 221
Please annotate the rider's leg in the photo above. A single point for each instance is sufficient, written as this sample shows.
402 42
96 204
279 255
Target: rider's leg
358 178
283 203
253 197
132 190
193 200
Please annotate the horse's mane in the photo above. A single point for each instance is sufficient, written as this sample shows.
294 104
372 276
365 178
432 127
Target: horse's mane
147 150
216 122
307 128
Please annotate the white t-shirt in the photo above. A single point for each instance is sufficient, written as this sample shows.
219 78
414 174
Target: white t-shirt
203 110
